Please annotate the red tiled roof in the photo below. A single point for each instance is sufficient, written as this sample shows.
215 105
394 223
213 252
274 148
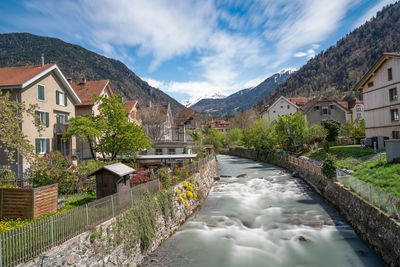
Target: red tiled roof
129 104
299 101
18 75
344 104
88 88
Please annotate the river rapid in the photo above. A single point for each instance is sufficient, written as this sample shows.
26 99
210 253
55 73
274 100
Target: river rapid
266 218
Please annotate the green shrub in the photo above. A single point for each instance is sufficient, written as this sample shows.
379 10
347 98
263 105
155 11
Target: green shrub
329 166
165 177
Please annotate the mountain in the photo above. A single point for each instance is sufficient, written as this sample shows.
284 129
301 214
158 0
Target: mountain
18 49
334 72
191 102
243 99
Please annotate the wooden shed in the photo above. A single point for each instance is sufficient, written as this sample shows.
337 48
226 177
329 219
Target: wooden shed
111 179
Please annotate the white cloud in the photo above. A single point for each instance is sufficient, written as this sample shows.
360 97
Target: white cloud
310 53
372 12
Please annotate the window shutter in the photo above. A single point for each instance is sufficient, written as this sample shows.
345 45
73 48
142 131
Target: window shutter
321 111
37 116
58 118
66 118
47 145
37 141
57 97
47 119
40 92
329 110
65 99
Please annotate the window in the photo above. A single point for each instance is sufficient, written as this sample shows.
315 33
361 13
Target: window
370 84
62 118
158 151
42 145
288 107
274 111
396 134
393 94
316 107
281 106
42 117
358 109
394 114
359 115
171 151
390 74
41 93
332 106
61 98
325 111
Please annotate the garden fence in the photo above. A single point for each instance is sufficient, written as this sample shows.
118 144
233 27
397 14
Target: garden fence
24 243
375 196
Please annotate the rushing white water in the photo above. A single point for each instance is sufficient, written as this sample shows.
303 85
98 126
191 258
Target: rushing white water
267 218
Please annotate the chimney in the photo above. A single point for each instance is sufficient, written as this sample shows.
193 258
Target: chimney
83 80
42 60
69 80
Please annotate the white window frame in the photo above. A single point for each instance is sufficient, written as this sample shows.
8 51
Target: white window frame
359 115
42 146
61 98
60 115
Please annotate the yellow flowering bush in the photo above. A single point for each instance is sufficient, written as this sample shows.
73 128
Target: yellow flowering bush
187 193
7 224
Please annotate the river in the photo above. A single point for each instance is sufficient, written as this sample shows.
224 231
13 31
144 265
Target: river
267 218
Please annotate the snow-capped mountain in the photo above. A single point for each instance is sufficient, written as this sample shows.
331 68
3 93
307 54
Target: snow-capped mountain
193 101
243 99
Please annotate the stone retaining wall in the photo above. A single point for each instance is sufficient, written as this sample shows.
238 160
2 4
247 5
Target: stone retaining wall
82 251
376 228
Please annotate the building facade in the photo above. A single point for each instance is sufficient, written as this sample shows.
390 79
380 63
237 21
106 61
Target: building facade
281 106
380 87
46 87
321 109
85 89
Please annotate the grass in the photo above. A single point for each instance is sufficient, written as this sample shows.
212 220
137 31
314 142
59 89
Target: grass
347 156
380 174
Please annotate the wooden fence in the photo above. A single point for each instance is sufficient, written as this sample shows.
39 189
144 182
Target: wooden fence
28 203
26 242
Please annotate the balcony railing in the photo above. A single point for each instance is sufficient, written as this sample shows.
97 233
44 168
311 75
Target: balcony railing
60 128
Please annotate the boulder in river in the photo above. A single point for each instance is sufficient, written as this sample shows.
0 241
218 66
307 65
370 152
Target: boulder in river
241 175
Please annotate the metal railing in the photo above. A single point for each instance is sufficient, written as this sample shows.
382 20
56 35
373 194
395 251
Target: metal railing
375 196
24 243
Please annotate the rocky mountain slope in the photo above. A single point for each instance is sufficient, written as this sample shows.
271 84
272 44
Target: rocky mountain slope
17 49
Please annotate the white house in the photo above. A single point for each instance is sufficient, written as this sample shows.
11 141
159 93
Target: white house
281 106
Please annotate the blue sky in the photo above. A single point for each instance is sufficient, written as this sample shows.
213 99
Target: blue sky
192 48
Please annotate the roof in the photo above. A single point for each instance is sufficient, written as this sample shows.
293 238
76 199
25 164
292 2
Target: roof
277 100
21 77
374 68
176 156
310 104
88 88
129 105
116 168
299 101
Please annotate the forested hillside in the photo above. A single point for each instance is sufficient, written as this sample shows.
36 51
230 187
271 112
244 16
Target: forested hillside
335 71
17 49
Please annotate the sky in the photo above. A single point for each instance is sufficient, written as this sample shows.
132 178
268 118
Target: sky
195 48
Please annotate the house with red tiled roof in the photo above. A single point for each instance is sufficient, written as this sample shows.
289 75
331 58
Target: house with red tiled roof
219 125
132 107
298 101
85 89
322 108
45 86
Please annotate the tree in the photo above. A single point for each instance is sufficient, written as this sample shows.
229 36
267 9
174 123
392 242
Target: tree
333 127
215 138
261 136
234 136
355 130
197 136
291 131
118 135
12 140
109 133
244 119
87 129
153 120
315 135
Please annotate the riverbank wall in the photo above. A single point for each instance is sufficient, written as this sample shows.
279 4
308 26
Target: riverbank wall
375 227
116 242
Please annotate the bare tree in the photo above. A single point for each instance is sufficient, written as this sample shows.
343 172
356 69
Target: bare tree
244 119
154 121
